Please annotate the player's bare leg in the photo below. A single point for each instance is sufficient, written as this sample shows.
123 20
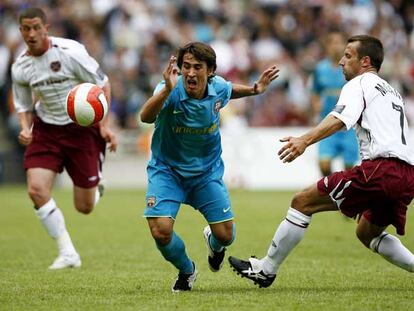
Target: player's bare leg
40 182
217 236
325 167
85 199
385 244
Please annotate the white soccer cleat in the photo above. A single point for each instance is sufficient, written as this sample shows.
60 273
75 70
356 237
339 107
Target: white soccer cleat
66 261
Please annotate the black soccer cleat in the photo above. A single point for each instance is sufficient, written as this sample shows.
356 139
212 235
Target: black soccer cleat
250 270
216 262
215 259
185 281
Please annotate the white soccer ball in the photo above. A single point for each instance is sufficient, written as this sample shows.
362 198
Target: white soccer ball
86 104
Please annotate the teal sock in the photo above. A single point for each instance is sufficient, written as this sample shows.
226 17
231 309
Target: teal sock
218 246
175 253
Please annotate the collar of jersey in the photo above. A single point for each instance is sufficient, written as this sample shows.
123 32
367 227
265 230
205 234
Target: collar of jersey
183 94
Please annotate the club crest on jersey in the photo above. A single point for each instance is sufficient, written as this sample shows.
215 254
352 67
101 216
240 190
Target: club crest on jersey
151 201
55 66
217 106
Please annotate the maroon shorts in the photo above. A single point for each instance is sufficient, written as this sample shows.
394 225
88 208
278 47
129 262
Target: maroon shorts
80 150
379 189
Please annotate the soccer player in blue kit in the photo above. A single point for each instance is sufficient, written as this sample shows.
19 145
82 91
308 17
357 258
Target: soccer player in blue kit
186 165
328 81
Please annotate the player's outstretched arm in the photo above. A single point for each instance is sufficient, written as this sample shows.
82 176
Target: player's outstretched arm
260 86
295 146
153 105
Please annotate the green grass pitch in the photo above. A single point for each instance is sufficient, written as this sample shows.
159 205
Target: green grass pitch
122 269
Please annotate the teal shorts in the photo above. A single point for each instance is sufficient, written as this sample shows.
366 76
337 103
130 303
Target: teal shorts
167 190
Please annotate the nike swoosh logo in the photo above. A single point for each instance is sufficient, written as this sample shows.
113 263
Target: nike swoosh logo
225 210
177 111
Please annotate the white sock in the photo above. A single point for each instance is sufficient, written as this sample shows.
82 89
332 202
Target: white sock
391 248
52 219
289 233
65 245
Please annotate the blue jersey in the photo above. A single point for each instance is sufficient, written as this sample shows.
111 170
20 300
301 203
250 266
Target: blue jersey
328 81
186 135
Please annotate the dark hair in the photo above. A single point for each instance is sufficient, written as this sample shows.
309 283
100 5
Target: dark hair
201 51
369 46
33 13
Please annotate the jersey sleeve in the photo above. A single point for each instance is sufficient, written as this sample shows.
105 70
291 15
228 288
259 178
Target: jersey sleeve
159 87
86 68
224 88
228 92
22 94
350 103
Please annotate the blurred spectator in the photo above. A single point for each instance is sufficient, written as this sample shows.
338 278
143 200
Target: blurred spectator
5 59
134 38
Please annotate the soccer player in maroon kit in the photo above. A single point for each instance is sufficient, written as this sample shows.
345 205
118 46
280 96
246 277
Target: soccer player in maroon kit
42 77
378 191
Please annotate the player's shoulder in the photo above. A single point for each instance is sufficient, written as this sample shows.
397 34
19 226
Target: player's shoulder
68 46
366 79
219 83
218 80
22 61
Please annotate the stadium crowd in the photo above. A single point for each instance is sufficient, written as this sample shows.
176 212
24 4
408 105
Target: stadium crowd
133 40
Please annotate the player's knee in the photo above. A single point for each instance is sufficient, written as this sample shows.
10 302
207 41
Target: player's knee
325 167
84 207
38 195
326 171
225 239
363 237
161 236
225 235
299 202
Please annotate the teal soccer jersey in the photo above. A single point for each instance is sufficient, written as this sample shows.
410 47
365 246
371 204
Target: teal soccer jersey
186 165
328 81
186 135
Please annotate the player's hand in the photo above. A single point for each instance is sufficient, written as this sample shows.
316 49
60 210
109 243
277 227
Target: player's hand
265 78
109 137
294 147
25 137
170 74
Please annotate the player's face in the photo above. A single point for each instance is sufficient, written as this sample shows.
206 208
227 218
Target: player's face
350 61
35 35
195 74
